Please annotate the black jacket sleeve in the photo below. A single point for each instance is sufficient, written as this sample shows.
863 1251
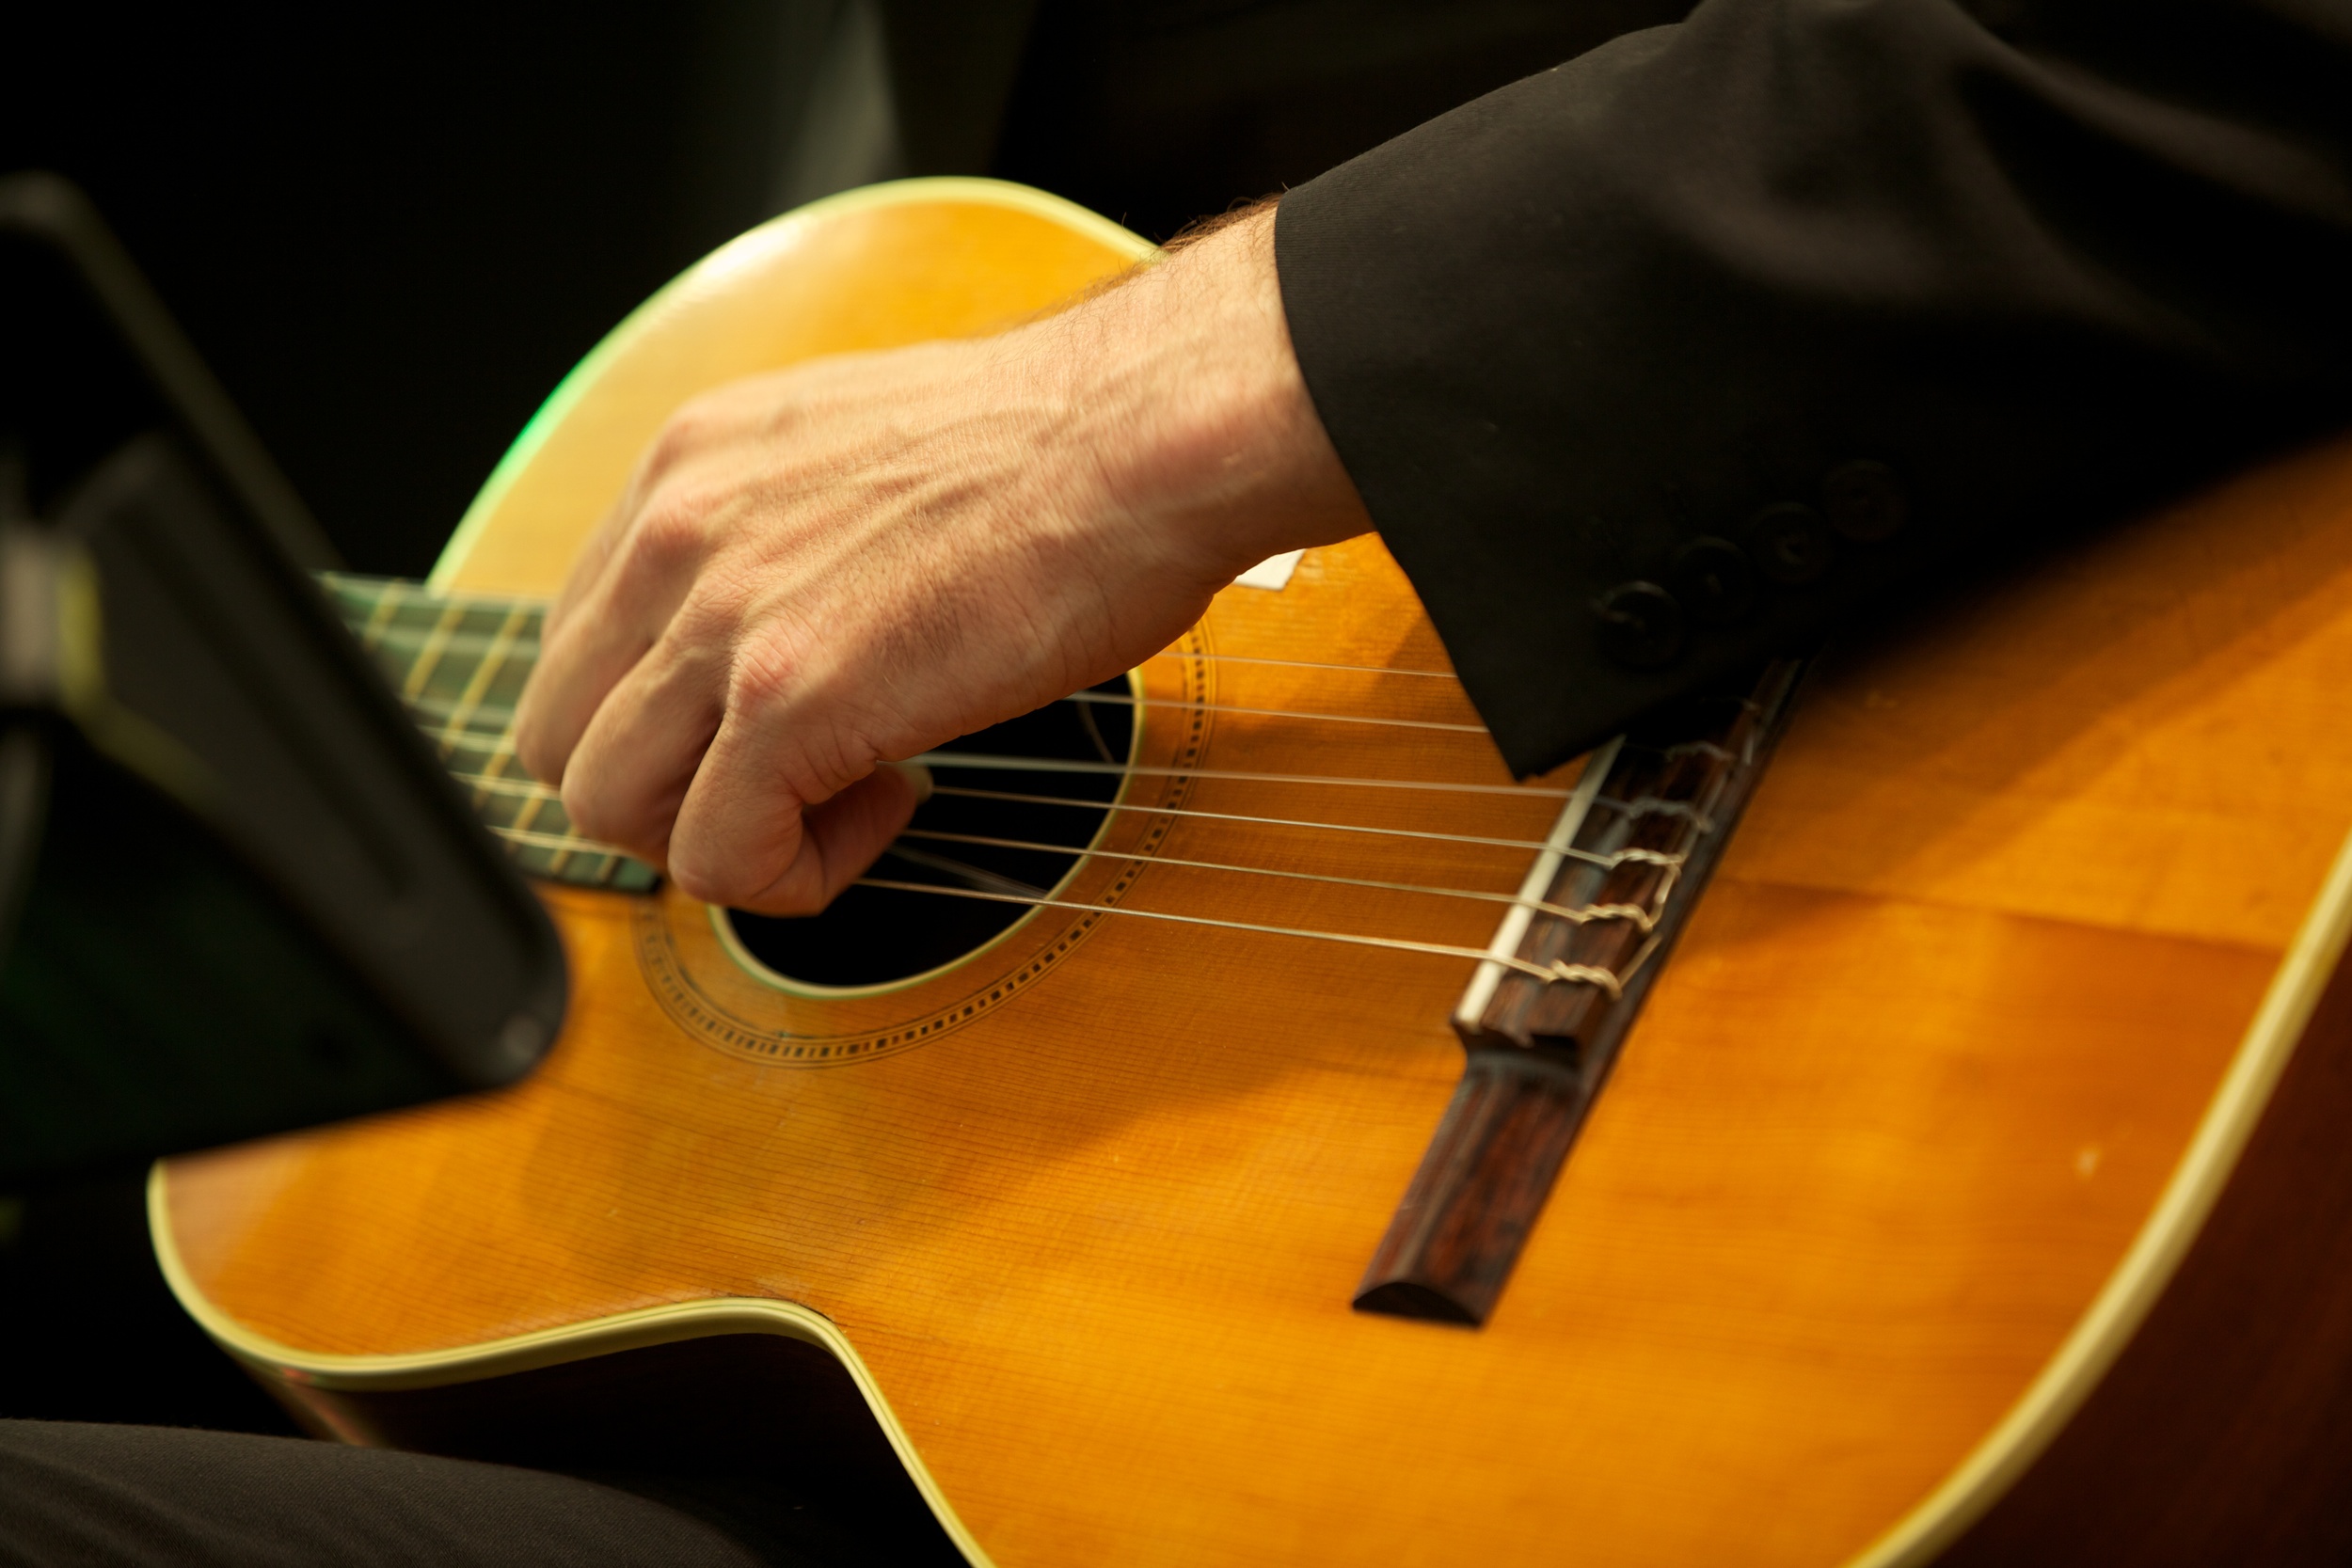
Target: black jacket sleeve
1684 352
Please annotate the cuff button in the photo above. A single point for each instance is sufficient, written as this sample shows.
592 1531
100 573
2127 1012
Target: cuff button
1789 544
1641 626
1865 502
1715 582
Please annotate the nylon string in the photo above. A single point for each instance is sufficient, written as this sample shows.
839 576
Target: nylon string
462 725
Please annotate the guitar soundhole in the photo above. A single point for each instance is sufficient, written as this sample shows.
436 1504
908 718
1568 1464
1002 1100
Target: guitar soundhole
873 936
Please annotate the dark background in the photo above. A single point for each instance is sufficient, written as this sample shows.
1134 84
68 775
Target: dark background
391 231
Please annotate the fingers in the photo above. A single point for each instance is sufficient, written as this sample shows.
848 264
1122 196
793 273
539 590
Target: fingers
689 433
766 854
607 629
629 773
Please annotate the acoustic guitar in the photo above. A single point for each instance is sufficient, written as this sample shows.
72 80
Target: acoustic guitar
1899 1108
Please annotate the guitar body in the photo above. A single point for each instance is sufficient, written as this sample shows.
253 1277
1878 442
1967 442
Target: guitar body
1945 1161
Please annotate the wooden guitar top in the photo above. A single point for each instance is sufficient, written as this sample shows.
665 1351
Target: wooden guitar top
1962 1037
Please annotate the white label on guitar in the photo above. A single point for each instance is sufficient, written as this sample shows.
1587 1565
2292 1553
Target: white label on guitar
1273 572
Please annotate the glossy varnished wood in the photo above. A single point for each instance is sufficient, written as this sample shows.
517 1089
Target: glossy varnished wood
1948 1016
2222 1431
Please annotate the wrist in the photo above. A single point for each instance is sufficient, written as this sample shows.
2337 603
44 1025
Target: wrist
1190 402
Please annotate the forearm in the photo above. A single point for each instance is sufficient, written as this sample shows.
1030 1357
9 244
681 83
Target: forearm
1188 407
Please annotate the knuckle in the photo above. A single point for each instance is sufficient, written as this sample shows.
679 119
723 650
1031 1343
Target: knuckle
711 618
700 882
689 429
584 804
762 675
720 879
599 811
537 749
670 533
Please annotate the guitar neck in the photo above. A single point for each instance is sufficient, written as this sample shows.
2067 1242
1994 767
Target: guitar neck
459 663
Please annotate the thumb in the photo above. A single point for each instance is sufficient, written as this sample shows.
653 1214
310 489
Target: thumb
840 838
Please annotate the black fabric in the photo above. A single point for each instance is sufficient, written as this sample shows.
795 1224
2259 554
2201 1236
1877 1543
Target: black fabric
74 1495
2047 261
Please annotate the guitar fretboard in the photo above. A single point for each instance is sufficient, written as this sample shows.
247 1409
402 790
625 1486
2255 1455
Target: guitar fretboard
459 663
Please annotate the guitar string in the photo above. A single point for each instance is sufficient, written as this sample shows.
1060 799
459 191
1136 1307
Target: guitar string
1557 970
1080 801
507 643
1479 730
1605 859
986 761
438 707
971 876
565 845
1579 913
995 889
1645 918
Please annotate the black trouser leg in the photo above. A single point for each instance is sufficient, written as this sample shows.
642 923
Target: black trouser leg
77 1495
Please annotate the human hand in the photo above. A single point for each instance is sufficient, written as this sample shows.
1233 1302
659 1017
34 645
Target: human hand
848 563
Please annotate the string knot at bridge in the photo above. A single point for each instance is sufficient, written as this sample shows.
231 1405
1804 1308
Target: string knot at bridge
1560 972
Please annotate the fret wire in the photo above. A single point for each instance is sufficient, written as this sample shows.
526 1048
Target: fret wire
379 621
491 784
536 805
486 667
1578 914
571 844
417 592
466 641
429 657
1399 944
536 798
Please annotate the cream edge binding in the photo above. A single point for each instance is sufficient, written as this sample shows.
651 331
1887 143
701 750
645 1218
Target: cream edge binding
652 1325
1972 1487
2116 1313
522 1353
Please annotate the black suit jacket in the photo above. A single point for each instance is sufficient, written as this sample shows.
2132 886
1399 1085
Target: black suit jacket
1681 353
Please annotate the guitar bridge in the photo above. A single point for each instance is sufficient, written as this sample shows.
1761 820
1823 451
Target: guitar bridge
1596 915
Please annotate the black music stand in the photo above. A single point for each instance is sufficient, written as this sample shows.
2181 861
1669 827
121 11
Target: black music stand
238 893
